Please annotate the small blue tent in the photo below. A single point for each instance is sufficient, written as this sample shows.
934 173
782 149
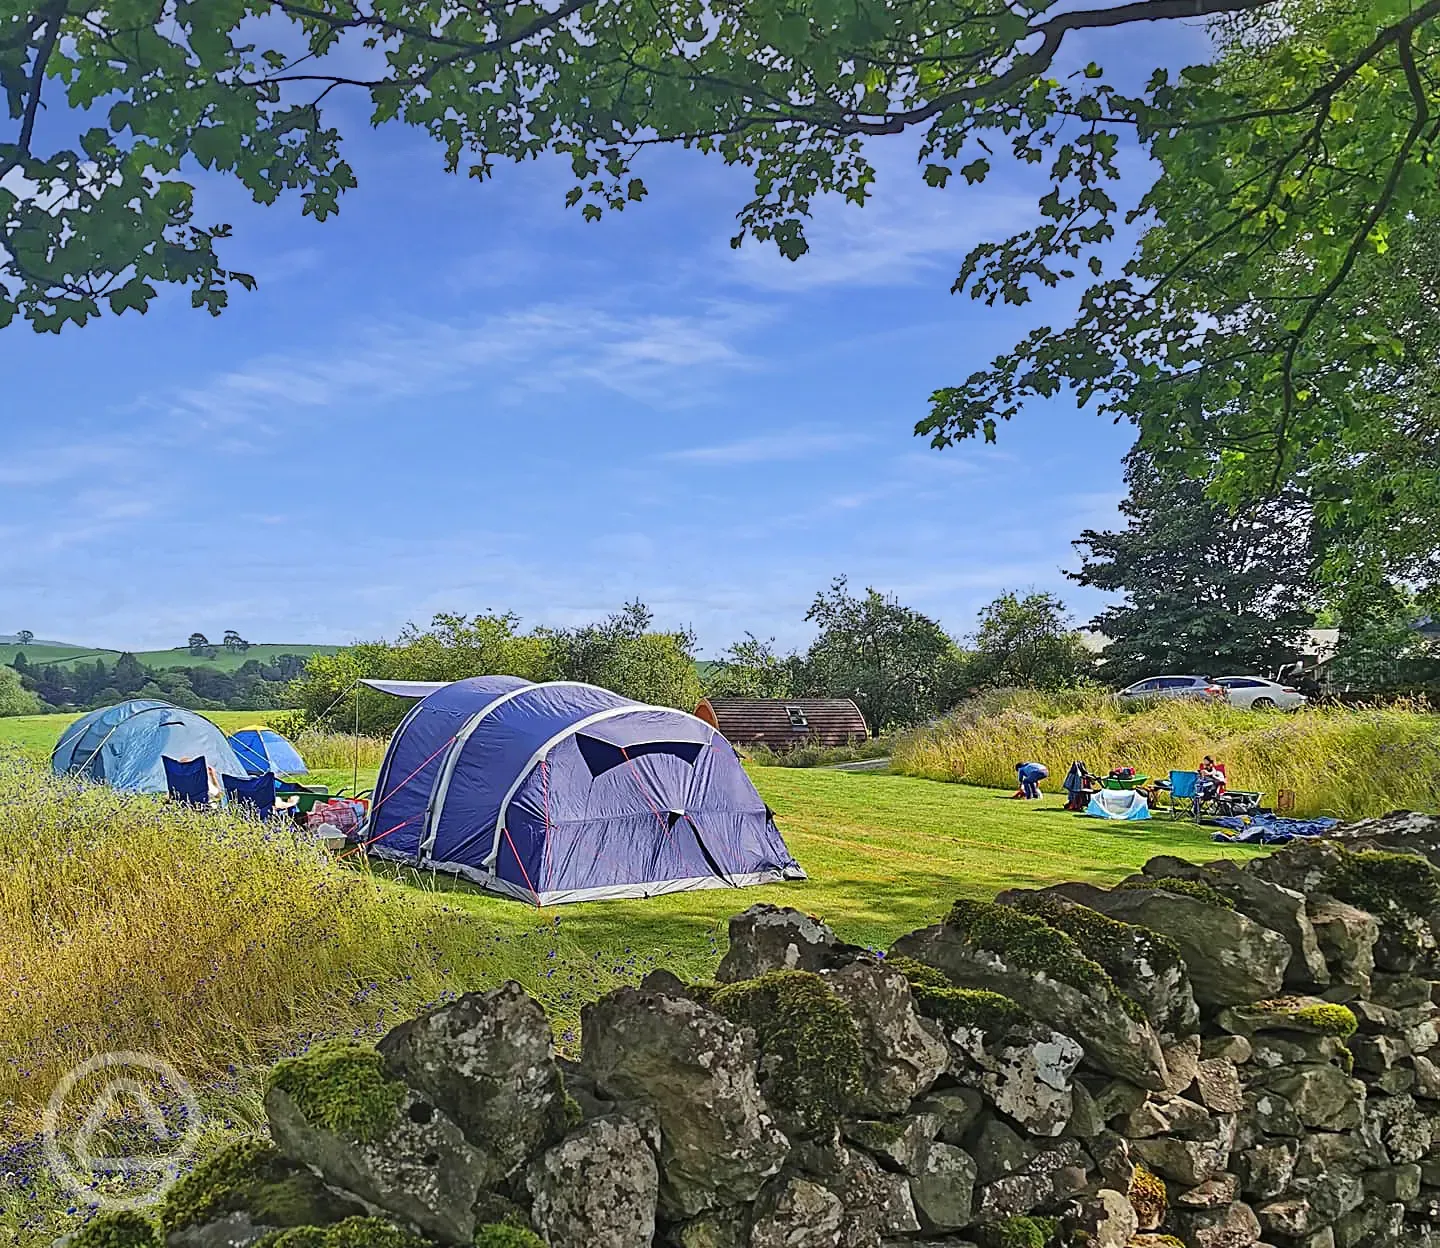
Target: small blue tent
125 746
263 749
565 792
1118 804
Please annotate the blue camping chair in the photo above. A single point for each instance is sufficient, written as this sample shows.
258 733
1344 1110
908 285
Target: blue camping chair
256 792
187 780
1185 793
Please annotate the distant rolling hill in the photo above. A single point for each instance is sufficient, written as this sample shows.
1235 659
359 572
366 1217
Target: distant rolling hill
64 652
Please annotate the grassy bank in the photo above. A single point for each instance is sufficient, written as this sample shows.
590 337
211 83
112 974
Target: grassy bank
1343 761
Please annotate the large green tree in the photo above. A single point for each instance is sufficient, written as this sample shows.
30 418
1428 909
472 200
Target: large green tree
1205 588
1027 643
895 662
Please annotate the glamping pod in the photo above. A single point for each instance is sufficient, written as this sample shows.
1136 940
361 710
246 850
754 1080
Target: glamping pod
565 792
125 746
784 722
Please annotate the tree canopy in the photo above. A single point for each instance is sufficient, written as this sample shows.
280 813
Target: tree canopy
1274 321
1027 643
1206 589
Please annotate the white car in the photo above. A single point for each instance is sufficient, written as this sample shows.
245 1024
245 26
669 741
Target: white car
1255 694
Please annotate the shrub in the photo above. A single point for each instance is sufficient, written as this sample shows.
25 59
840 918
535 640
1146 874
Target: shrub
1344 761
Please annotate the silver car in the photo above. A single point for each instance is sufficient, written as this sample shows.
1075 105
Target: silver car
1257 694
1198 688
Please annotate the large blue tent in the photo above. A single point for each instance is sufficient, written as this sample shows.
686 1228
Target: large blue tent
565 792
125 746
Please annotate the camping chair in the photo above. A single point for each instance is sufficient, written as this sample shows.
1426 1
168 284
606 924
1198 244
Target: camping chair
187 780
1185 789
256 792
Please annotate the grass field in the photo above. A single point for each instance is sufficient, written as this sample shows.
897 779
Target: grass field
37 734
219 944
179 656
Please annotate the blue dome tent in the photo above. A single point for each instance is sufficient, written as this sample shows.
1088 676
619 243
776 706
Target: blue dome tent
125 746
566 792
263 749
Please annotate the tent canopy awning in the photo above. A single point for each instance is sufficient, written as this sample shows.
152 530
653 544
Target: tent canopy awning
406 688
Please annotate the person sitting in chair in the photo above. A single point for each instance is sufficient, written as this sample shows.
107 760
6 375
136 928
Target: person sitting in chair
1211 779
1030 775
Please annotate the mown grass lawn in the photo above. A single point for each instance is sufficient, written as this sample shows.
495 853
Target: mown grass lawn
885 854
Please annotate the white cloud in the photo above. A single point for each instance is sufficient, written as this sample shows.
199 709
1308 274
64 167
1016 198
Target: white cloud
771 448
662 359
904 234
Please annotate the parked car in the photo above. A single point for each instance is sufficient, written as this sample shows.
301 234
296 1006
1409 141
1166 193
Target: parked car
1200 688
1256 694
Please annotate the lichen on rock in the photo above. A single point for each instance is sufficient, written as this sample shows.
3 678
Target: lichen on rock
1148 1197
341 1087
809 1044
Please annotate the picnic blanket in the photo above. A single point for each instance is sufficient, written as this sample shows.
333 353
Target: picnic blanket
1264 829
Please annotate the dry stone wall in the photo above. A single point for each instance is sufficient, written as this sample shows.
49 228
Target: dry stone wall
1215 1055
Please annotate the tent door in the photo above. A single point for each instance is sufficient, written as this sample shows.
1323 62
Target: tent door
710 861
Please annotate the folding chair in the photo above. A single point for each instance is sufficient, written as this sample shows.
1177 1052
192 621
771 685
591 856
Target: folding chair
256 792
187 780
1185 789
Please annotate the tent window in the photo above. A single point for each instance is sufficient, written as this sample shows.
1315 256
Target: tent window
601 756
797 717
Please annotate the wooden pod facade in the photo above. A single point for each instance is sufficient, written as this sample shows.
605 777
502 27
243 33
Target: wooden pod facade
781 723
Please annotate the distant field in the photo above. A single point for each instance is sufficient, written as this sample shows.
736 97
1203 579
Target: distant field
179 656
37 734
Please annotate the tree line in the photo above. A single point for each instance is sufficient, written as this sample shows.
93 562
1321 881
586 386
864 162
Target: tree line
36 688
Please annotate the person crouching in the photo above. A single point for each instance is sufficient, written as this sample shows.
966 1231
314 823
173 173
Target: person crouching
1029 776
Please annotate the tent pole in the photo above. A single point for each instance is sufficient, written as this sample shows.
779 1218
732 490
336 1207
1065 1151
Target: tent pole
355 771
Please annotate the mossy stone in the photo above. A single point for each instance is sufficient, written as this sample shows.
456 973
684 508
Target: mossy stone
341 1087
1395 888
506 1235
808 1040
121 1228
1034 944
252 1176
1022 1231
366 1232
1196 889
918 973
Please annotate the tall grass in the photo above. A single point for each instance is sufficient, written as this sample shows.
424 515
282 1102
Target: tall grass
1344 761
219 943
336 751
811 754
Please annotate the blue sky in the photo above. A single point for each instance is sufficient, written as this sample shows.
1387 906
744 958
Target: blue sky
458 396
